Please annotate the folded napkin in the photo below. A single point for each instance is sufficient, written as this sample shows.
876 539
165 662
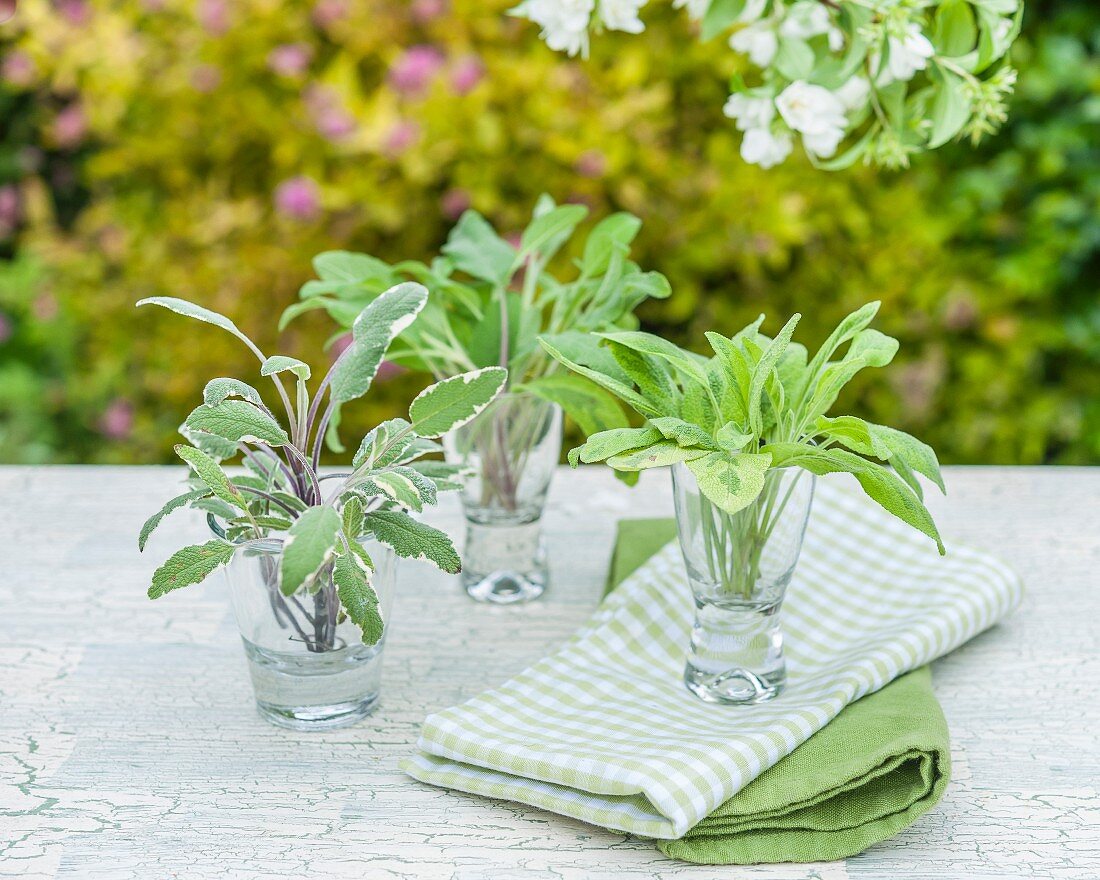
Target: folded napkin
603 729
870 772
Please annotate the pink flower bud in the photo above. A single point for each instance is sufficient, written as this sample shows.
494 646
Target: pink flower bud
298 198
467 73
329 116
591 163
70 126
290 59
329 12
117 420
76 12
401 137
17 68
454 202
214 16
206 78
414 71
424 11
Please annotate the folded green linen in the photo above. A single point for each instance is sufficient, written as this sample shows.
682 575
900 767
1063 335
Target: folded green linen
603 729
869 773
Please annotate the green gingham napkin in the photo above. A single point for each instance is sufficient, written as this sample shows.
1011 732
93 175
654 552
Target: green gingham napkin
881 764
603 730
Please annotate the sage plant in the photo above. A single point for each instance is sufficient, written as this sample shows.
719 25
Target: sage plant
320 518
737 418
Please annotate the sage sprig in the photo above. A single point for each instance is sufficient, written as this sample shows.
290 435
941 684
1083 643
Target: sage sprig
492 299
756 405
283 494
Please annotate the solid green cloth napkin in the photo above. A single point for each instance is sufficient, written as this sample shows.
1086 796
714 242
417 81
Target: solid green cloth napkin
869 773
604 730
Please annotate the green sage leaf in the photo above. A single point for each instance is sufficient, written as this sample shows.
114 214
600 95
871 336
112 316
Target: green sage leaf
453 402
189 565
731 482
278 363
475 248
376 327
217 390
357 596
660 454
210 472
604 444
239 421
308 546
175 504
413 539
190 310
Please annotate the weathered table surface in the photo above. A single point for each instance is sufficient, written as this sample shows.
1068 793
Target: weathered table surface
129 746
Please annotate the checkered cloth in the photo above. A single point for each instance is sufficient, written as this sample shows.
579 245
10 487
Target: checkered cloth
604 730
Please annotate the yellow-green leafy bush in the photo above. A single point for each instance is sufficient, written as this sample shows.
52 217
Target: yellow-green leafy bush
216 146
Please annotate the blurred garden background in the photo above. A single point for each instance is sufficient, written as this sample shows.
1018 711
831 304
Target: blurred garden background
209 148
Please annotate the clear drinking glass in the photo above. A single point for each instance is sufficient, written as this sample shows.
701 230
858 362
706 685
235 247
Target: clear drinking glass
739 566
511 449
309 666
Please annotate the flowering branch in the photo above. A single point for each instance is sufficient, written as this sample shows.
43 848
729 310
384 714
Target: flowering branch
890 78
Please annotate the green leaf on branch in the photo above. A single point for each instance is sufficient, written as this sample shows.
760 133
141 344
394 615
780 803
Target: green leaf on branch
346 267
352 518
475 248
592 408
210 472
950 110
357 595
384 444
550 228
613 384
731 482
611 235
413 539
239 421
763 370
882 485
660 454
604 444
374 330
720 15
308 546
189 566
190 310
281 363
453 402
217 390
685 362
175 504
683 433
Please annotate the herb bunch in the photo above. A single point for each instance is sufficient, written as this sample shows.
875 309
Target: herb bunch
284 495
757 406
492 300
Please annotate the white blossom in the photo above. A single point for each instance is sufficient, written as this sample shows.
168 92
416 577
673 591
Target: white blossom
622 15
853 94
696 9
749 112
564 23
759 41
808 19
816 113
752 11
763 147
907 54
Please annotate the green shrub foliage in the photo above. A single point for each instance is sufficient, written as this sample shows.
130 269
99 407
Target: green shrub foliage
207 150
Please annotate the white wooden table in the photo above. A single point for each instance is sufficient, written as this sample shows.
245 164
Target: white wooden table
129 746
